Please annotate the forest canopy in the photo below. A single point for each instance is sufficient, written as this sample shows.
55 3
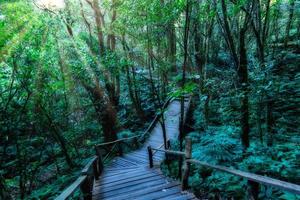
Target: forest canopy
76 73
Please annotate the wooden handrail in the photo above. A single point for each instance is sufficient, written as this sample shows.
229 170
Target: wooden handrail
150 127
117 141
85 181
160 146
72 188
178 153
253 178
94 167
293 188
88 167
157 116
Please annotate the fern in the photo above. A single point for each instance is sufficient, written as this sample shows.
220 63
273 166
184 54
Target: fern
217 145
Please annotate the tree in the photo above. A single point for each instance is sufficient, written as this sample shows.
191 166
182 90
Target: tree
239 56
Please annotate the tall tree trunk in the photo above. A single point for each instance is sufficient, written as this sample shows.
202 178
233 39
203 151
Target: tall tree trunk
58 137
241 67
289 22
270 121
111 38
133 96
185 57
243 84
107 115
99 24
132 88
198 54
172 46
154 91
228 35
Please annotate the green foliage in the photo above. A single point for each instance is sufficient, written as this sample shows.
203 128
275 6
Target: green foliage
125 134
17 20
52 71
188 89
217 145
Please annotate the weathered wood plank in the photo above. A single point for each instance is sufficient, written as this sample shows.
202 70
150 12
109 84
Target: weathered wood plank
144 191
135 187
126 180
176 197
124 174
130 185
161 194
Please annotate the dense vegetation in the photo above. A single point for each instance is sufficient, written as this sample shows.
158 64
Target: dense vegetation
76 73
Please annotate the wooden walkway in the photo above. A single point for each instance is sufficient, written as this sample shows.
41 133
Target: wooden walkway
129 176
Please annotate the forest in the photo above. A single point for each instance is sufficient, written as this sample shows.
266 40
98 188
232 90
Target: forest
78 73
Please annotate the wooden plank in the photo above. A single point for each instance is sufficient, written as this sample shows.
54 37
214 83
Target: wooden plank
132 188
138 161
175 197
125 174
130 185
161 194
72 188
184 195
118 182
139 154
142 192
133 159
138 157
116 163
88 167
125 169
125 160
293 188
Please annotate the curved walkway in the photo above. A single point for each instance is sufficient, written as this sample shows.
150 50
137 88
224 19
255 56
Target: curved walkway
129 177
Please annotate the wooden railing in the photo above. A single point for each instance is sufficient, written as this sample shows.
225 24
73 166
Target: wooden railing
253 179
95 166
137 139
85 181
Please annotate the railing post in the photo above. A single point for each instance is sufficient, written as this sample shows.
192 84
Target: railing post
168 147
100 162
120 149
87 188
169 144
96 169
188 155
150 154
168 157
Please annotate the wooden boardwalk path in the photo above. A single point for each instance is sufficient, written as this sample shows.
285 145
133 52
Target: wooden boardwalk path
129 176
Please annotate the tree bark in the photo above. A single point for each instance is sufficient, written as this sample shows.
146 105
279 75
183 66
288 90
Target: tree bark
172 46
99 24
289 23
185 50
107 115
243 84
